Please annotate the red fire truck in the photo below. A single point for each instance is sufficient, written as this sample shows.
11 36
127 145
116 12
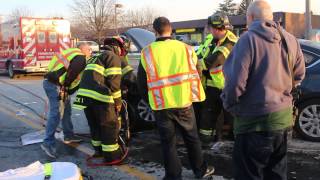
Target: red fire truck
28 44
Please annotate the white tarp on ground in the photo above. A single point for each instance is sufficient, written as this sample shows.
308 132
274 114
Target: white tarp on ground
37 137
35 171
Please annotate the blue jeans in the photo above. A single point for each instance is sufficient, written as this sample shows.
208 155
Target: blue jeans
57 111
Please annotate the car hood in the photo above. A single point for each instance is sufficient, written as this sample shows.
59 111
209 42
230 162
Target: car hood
141 37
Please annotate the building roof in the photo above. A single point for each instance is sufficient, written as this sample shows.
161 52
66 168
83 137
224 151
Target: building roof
238 20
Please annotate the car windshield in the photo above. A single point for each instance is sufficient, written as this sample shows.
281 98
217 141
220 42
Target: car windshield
141 37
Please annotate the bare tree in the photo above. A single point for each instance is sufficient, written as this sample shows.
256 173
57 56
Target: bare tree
19 12
139 17
228 7
93 15
243 7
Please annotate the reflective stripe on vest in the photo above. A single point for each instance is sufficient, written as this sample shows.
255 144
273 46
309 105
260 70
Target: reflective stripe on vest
156 83
216 70
217 78
63 59
95 95
110 148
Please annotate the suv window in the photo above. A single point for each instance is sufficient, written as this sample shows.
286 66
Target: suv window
309 57
133 48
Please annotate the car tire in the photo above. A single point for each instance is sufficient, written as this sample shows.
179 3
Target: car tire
145 112
308 120
10 70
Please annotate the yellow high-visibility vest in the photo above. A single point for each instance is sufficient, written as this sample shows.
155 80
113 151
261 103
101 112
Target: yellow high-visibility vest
216 73
172 77
62 60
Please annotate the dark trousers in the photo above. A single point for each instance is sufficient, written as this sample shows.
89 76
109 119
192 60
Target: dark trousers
104 128
260 156
212 108
183 119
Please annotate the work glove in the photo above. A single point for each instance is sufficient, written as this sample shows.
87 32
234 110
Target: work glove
118 108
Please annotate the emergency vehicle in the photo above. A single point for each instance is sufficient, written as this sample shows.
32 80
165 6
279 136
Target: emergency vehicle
28 44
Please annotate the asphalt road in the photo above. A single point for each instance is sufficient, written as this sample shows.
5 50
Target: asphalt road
21 113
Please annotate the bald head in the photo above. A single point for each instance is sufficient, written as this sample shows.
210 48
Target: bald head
85 49
259 10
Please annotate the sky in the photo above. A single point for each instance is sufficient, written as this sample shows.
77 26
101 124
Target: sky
175 10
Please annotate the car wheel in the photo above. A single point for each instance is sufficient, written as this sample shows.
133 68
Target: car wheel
10 70
145 112
308 121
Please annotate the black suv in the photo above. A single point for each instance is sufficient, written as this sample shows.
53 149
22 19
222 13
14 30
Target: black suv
308 103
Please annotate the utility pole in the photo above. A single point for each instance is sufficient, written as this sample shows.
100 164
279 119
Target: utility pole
308 22
115 16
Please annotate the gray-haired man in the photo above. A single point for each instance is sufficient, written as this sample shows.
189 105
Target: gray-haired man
259 80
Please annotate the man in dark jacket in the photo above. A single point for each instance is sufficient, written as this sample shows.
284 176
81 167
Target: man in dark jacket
259 80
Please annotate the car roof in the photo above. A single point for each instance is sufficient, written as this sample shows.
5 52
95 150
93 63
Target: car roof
310 45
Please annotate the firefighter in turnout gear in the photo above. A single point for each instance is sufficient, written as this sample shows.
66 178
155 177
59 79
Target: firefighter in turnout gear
99 96
62 80
202 52
224 39
128 77
168 79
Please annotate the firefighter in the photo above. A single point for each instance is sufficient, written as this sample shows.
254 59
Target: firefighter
128 77
99 96
62 80
126 47
169 81
224 39
203 51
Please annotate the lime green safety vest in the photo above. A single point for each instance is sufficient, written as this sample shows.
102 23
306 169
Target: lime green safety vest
172 77
62 60
216 73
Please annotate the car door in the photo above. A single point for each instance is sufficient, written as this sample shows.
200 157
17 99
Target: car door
312 79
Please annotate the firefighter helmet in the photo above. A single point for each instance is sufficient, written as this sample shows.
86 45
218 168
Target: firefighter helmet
113 41
126 43
220 21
